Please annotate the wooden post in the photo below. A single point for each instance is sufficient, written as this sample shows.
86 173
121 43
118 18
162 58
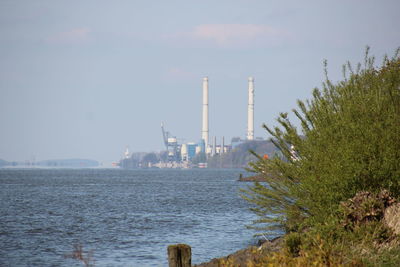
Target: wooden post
179 255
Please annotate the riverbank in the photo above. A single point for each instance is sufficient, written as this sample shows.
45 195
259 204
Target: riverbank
367 234
243 257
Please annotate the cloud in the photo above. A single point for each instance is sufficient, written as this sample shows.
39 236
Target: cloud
78 35
237 35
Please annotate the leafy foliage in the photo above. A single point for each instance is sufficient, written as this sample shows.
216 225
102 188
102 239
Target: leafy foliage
348 141
370 244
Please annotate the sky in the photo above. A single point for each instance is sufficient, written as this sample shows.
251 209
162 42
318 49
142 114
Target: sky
85 79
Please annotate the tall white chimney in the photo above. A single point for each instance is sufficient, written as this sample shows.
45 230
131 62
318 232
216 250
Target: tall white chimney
204 129
250 111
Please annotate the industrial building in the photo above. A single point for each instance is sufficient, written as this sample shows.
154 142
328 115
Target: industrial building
187 154
207 150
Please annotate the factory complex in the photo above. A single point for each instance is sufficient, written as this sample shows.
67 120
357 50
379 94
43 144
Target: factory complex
196 154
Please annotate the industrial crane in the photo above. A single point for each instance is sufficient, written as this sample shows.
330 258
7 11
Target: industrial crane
165 135
171 145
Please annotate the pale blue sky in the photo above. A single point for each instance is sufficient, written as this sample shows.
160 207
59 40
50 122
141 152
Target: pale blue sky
86 78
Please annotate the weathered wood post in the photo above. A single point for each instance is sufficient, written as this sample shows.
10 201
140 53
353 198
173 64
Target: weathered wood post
179 255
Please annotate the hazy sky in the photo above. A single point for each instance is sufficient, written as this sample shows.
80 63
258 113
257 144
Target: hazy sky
84 79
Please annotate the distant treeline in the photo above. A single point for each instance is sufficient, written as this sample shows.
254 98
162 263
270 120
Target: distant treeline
57 163
238 157
6 163
142 160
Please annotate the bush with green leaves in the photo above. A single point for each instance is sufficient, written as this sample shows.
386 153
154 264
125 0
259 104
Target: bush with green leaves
348 141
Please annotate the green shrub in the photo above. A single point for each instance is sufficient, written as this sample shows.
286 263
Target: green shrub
348 141
293 243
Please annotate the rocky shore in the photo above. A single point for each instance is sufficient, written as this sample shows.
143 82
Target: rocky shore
243 256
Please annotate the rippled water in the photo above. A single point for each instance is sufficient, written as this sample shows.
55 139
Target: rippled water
127 217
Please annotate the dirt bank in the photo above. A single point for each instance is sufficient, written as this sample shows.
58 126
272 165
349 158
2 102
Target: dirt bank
243 256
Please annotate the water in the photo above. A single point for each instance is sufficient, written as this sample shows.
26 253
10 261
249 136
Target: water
126 217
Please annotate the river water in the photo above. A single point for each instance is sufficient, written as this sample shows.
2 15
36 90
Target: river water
125 217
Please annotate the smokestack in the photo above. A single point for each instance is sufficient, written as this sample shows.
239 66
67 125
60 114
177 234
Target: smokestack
222 146
214 148
204 129
250 111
